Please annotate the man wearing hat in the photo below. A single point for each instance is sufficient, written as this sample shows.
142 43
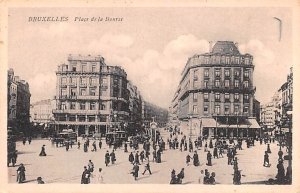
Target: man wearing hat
43 153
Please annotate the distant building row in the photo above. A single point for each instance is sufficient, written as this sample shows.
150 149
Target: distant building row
274 114
18 103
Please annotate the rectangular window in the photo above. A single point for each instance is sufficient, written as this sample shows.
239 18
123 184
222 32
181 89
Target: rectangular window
246 109
93 68
63 106
73 80
195 109
195 75
92 91
236 73
237 60
217 109
246 84
217 83
236 83
82 106
227 73
83 92
83 68
236 109
74 68
195 97
206 72
205 109
82 80
63 92
247 61
73 105
92 106
246 73
217 96
227 60
63 80
206 60
227 83
217 73
226 109
236 96
205 84
93 81
227 97
205 97
73 91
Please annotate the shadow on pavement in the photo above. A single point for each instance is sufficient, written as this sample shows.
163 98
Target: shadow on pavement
256 182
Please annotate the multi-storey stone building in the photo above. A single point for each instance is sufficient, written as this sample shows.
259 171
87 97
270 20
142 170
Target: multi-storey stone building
90 95
216 93
18 103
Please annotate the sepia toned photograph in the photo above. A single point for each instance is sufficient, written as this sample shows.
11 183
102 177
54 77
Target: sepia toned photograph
150 95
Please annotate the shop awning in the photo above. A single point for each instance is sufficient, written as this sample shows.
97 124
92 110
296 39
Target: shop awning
208 122
253 124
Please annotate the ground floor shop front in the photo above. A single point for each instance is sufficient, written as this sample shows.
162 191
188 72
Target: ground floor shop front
227 127
87 128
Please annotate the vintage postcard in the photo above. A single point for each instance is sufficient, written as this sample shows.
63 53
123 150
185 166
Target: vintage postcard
148 97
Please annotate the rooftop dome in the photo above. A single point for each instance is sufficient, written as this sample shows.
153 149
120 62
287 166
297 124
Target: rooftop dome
225 47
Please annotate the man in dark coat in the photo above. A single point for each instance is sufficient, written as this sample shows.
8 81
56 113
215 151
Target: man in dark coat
14 157
215 152
135 171
209 159
85 147
85 177
106 158
210 144
21 174
43 153
67 146
94 146
136 158
196 159
100 144
125 147
158 158
131 158
113 157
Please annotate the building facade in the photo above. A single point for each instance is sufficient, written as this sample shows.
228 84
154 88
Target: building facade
41 112
18 103
286 91
135 109
216 93
91 96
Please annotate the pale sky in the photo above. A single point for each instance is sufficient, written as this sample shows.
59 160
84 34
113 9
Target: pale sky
151 44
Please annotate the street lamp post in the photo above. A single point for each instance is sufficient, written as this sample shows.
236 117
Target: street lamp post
289 143
115 127
191 126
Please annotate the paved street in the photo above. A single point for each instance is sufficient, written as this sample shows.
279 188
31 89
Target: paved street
60 166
